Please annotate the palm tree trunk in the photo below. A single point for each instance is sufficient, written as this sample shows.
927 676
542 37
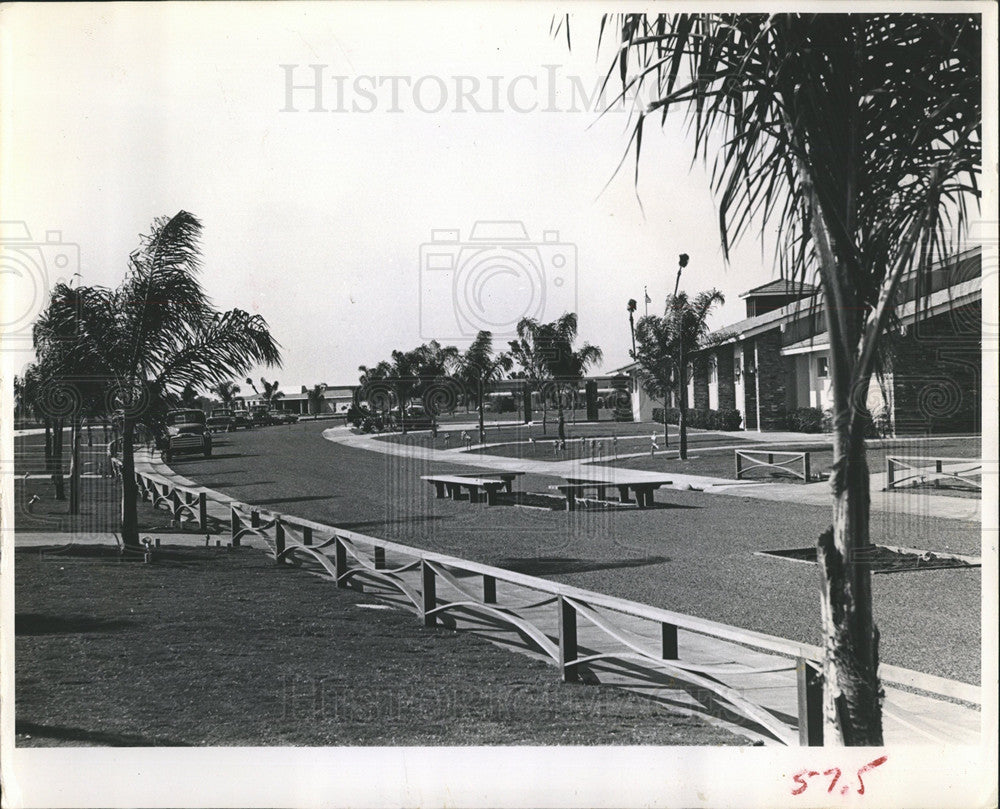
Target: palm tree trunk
74 466
482 419
852 704
57 446
130 492
852 710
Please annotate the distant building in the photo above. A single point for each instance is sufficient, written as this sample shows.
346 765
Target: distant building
295 399
777 359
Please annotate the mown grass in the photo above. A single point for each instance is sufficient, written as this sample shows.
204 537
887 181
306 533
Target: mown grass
209 647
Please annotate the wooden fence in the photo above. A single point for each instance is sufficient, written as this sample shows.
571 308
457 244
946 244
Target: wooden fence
747 459
918 469
435 584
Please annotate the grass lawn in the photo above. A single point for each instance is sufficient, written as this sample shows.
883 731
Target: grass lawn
100 504
208 647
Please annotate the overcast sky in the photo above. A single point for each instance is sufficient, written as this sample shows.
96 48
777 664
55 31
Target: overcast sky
434 118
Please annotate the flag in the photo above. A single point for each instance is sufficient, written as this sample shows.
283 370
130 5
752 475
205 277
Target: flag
648 299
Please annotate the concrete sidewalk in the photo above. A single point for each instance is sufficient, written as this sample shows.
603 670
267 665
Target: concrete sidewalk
920 504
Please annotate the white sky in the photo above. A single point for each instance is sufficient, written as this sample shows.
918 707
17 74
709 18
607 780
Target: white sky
120 113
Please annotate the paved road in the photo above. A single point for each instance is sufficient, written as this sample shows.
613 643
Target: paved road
694 553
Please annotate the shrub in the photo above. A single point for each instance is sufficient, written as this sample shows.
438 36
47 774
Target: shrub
806 420
727 420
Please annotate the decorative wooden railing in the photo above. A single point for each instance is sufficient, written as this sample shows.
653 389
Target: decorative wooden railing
747 459
918 469
435 584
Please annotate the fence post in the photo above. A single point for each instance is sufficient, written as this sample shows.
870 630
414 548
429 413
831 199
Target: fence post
567 641
175 504
254 518
489 589
379 554
669 636
428 596
890 470
203 509
307 535
938 467
340 561
739 466
810 694
279 538
234 526
806 470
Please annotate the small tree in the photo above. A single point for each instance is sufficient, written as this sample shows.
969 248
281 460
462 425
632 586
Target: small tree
479 371
529 353
315 396
227 391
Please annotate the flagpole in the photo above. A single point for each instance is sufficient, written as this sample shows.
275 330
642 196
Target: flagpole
646 296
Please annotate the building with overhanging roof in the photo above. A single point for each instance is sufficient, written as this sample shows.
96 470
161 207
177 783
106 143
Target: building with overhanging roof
777 358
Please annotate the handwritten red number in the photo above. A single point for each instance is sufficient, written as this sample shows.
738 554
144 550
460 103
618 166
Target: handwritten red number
871 765
836 777
799 780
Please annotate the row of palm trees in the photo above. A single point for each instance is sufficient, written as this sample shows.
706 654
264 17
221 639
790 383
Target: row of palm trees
136 350
443 376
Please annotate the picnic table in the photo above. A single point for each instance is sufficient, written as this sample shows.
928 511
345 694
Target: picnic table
453 484
643 488
506 476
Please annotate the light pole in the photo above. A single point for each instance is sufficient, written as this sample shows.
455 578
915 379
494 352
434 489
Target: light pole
681 381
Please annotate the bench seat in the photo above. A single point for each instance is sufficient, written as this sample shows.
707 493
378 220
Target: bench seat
453 484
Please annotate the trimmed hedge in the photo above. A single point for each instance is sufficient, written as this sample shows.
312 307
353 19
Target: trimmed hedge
725 420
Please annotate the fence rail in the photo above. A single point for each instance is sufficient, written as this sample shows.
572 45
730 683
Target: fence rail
551 614
920 469
756 460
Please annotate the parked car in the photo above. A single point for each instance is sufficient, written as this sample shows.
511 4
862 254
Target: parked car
283 417
242 419
261 416
221 421
184 431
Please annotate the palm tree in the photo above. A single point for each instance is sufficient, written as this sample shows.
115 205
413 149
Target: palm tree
315 395
565 364
660 344
155 334
270 392
227 391
479 370
858 137
631 307
376 391
529 354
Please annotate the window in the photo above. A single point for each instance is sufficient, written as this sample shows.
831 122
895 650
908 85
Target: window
822 367
713 370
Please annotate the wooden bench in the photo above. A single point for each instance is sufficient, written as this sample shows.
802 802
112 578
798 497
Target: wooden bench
506 477
643 489
453 484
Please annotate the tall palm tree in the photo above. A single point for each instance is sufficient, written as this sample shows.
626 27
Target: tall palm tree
565 364
227 391
529 353
376 390
269 393
858 137
155 334
479 370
